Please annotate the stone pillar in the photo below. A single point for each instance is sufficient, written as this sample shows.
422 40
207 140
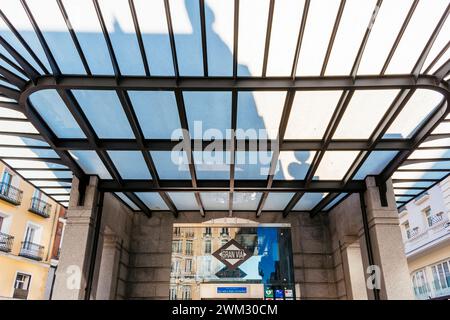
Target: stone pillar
386 242
354 278
71 275
109 268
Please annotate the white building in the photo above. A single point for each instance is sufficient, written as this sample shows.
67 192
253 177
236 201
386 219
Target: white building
426 234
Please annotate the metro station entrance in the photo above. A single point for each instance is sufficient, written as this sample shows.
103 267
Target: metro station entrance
232 261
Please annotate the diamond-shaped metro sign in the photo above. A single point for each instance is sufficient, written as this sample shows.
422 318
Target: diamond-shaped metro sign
232 254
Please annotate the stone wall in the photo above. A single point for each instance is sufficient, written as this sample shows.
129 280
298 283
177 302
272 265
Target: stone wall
150 253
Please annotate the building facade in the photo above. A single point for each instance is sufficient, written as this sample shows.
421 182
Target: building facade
29 250
426 234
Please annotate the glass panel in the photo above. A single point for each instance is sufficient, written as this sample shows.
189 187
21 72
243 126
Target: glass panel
37 174
212 164
287 17
219 20
127 200
43 183
427 165
90 163
430 154
27 152
415 184
157 113
130 164
15 13
61 198
334 165
21 141
52 109
334 201
308 201
56 35
389 20
443 127
119 23
375 163
8 67
152 200
436 143
208 114
32 164
186 27
246 200
105 113
184 200
407 192
319 26
293 165
266 267
252 36
354 22
215 200
153 24
363 113
413 114
8 113
171 165
56 191
252 165
403 199
418 175
17 126
277 201
419 30
311 111
259 114
85 23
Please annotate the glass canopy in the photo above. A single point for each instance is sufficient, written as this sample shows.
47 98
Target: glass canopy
177 106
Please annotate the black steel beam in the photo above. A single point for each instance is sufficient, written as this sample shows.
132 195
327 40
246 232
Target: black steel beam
223 185
241 83
137 29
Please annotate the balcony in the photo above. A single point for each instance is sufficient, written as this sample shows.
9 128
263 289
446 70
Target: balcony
40 207
31 251
412 233
6 242
436 219
10 193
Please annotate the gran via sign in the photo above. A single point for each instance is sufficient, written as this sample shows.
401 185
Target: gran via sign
232 254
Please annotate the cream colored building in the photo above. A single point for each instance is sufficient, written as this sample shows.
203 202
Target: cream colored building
29 221
426 234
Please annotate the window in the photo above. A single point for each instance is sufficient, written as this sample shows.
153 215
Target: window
176 231
407 229
176 266
189 247
223 242
21 286
441 275
1 223
186 293
207 266
428 216
208 231
188 266
173 293
177 246
208 246
420 284
224 232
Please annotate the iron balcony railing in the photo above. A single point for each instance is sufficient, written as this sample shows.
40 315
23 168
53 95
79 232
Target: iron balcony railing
412 233
6 242
435 219
10 193
32 251
40 207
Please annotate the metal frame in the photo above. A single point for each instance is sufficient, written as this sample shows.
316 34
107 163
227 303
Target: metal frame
120 84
